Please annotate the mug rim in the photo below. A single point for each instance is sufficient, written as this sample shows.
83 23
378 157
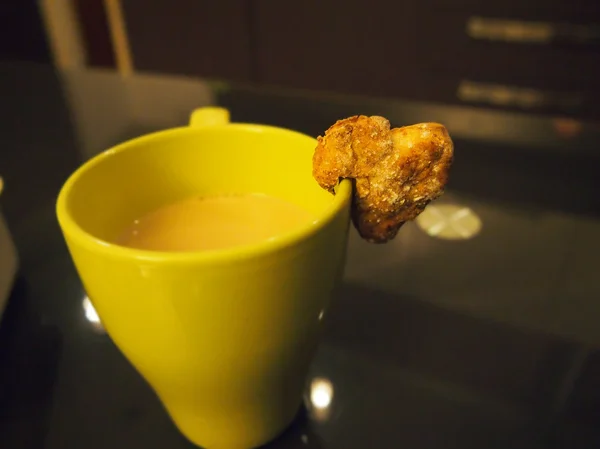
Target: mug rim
71 228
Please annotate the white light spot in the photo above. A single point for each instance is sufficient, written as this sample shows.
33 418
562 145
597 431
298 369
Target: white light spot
304 438
90 314
449 222
321 314
321 393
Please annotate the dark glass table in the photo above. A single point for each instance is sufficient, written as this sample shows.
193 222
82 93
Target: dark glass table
476 328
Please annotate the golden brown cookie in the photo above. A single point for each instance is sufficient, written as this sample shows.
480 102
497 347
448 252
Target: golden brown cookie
397 172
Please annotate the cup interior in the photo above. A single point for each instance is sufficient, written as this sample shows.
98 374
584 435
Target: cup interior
111 190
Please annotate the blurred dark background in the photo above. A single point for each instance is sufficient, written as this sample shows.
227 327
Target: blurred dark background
22 33
514 80
538 56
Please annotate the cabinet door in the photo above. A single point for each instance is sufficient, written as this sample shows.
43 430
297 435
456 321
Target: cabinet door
422 51
348 46
552 54
192 37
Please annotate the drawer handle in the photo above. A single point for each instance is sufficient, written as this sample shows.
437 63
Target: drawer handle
528 32
511 96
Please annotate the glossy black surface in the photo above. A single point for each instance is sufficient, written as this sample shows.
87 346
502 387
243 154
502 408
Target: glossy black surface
487 342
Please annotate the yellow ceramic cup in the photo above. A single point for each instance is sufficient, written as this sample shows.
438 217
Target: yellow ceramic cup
224 337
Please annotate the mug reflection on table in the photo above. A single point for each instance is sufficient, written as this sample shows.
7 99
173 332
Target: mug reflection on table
224 336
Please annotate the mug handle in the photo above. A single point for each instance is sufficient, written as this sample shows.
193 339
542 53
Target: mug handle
209 116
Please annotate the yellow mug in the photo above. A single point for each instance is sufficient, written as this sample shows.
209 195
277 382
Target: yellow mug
224 337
